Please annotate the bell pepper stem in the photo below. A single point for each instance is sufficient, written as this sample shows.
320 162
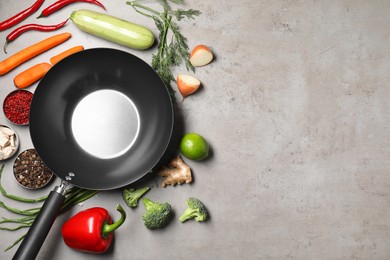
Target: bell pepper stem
108 228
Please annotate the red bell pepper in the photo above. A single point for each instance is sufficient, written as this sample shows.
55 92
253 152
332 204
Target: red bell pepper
91 230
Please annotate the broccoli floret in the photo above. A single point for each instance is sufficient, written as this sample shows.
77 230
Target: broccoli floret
195 209
157 215
131 196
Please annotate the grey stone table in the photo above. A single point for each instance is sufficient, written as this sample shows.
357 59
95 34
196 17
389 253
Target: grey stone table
296 109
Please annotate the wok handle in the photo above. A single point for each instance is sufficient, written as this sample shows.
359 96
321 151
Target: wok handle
37 233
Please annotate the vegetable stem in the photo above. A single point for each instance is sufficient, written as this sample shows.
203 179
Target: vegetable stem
137 5
108 228
15 243
28 224
77 197
27 212
163 42
17 220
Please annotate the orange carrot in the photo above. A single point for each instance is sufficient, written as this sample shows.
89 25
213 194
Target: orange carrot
54 60
31 75
30 52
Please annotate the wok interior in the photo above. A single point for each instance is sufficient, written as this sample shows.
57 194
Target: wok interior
81 75
105 123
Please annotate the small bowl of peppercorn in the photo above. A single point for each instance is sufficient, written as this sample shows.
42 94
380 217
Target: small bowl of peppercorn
16 106
30 171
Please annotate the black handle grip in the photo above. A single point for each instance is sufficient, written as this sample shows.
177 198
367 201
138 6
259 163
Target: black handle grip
37 233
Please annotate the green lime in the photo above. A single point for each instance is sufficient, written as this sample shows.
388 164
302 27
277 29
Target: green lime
194 147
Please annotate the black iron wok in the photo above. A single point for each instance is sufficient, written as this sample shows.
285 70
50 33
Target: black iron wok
100 119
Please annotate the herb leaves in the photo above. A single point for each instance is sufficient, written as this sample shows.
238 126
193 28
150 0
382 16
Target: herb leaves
172 47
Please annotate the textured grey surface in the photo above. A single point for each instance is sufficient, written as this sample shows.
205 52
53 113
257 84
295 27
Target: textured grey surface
295 107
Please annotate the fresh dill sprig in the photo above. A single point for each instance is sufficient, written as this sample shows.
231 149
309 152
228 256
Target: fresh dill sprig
172 47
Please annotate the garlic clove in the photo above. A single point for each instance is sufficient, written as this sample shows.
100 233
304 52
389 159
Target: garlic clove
6 131
8 151
12 140
4 140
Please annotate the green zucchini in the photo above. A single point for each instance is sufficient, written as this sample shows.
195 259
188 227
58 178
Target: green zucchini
113 29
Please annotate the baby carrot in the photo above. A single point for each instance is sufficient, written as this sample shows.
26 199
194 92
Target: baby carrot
31 75
30 52
54 60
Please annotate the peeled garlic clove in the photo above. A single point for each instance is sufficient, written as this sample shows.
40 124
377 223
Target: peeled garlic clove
8 151
7 131
12 140
4 140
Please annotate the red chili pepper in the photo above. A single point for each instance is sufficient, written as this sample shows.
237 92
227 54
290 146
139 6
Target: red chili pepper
62 3
91 230
20 16
32 26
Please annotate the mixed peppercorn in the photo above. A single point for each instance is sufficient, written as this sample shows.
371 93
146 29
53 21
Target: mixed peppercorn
17 106
30 171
